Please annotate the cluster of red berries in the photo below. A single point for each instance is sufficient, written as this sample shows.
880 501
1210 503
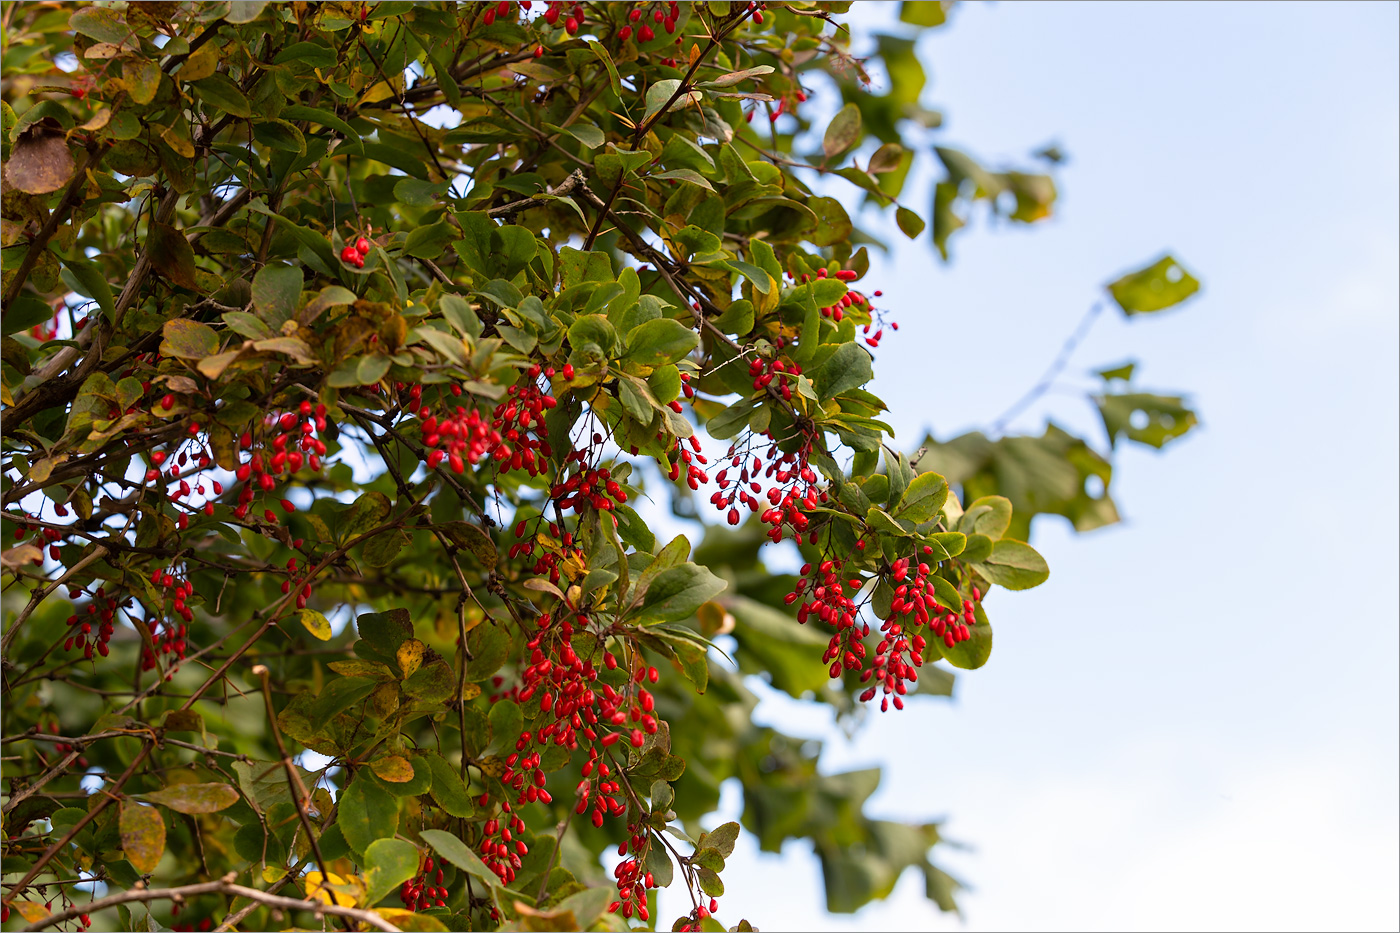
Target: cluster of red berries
195 460
694 476
499 848
571 12
764 370
167 635
297 578
661 16
914 606
418 894
586 487
44 538
697 916
550 556
516 436
501 10
293 446
775 112
632 880
355 253
100 611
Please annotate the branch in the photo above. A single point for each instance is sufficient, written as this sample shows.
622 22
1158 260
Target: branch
294 783
223 886
1043 385
558 191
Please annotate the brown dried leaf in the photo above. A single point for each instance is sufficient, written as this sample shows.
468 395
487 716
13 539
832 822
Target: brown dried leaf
40 161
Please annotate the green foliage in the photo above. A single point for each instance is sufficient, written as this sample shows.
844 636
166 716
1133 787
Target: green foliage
324 353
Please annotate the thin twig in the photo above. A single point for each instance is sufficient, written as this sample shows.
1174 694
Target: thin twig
1043 385
223 886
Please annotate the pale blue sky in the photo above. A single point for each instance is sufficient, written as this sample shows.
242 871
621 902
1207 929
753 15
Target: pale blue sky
1194 722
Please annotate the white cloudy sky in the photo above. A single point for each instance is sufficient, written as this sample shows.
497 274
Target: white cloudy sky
1194 723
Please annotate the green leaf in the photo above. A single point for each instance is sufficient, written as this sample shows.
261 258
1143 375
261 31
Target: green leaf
946 594
989 515
659 865
222 93
910 223
1153 420
607 61
925 13
721 838
660 341
94 283
367 813
388 864
923 498
843 132
276 291
1161 285
1014 565
457 852
677 592
658 95
194 798
448 790
847 368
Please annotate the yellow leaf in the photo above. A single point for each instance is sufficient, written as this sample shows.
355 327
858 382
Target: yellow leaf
335 890
143 835
31 911
410 656
315 623
393 768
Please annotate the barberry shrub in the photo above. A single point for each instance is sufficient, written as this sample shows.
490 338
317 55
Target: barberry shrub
345 342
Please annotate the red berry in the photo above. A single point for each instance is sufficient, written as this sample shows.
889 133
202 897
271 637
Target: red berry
168 402
362 245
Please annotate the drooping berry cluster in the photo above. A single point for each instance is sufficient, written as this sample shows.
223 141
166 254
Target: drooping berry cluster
101 610
293 447
499 848
899 654
632 879
419 893
168 635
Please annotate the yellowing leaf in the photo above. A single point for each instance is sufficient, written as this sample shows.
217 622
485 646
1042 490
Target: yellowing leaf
194 798
143 835
410 921
31 911
335 890
393 768
410 656
315 623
